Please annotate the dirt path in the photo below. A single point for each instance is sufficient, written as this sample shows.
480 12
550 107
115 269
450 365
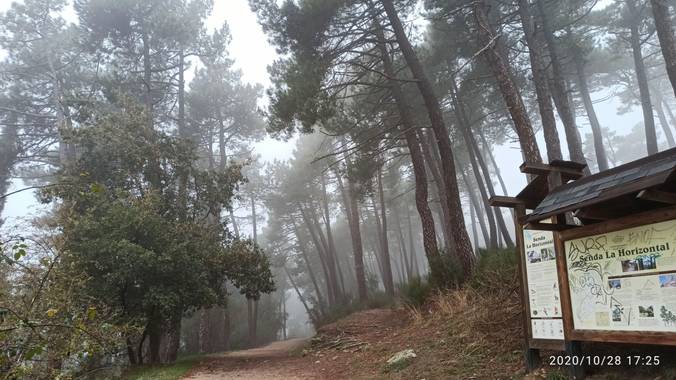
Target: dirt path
274 361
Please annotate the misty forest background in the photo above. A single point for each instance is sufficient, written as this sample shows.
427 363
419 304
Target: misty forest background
163 232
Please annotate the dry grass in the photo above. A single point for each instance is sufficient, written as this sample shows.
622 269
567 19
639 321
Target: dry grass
470 334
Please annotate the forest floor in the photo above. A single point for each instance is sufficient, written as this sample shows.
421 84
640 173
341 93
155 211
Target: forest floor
358 347
458 335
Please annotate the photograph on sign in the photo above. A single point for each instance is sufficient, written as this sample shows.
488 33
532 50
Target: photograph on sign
624 280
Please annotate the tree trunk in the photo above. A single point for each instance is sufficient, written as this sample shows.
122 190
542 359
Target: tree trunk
355 233
559 92
402 247
475 156
250 322
439 274
310 271
510 93
147 79
663 122
173 338
309 312
597 133
9 151
332 253
204 331
376 247
253 220
665 33
140 344
329 258
472 215
475 203
431 158
130 352
155 339
544 99
413 253
463 245
387 266
642 77
183 134
328 276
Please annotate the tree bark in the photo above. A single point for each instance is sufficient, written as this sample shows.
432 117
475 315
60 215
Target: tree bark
508 89
540 81
463 245
665 34
310 314
472 215
173 338
431 157
328 276
476 157
418 163
147 79
559 92
475 203
204 331
387 266
641 77
310 271
155 339
597 133
355 233
663 122
332 259
9 151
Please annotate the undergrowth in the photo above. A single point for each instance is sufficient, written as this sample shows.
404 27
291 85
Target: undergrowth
376 300
173 371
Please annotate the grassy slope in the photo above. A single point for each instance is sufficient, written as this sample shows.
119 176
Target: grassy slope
172 371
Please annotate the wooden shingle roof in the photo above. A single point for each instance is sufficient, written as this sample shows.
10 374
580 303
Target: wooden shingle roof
620 181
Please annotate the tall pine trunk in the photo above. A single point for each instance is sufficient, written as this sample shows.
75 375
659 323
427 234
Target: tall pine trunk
665 34
559 90
9 151
540 81
663 121
641 77
332 252
355 234
508 89
583 88
477 158
418 163
463 246
387 266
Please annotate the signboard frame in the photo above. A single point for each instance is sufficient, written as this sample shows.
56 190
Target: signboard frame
613 225
533 343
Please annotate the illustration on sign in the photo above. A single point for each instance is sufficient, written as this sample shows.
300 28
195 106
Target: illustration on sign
543 285
624 280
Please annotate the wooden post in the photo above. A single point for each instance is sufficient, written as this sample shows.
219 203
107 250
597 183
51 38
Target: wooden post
531 355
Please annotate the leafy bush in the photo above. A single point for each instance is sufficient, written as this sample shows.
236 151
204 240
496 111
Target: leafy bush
494 269
416 291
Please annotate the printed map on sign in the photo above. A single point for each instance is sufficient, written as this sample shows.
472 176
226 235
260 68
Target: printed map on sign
543 284
624 280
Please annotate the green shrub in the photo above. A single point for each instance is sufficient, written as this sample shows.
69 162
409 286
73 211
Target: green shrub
495 269
416 291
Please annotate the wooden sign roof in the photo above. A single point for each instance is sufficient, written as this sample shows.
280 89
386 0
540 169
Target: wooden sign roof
625 182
